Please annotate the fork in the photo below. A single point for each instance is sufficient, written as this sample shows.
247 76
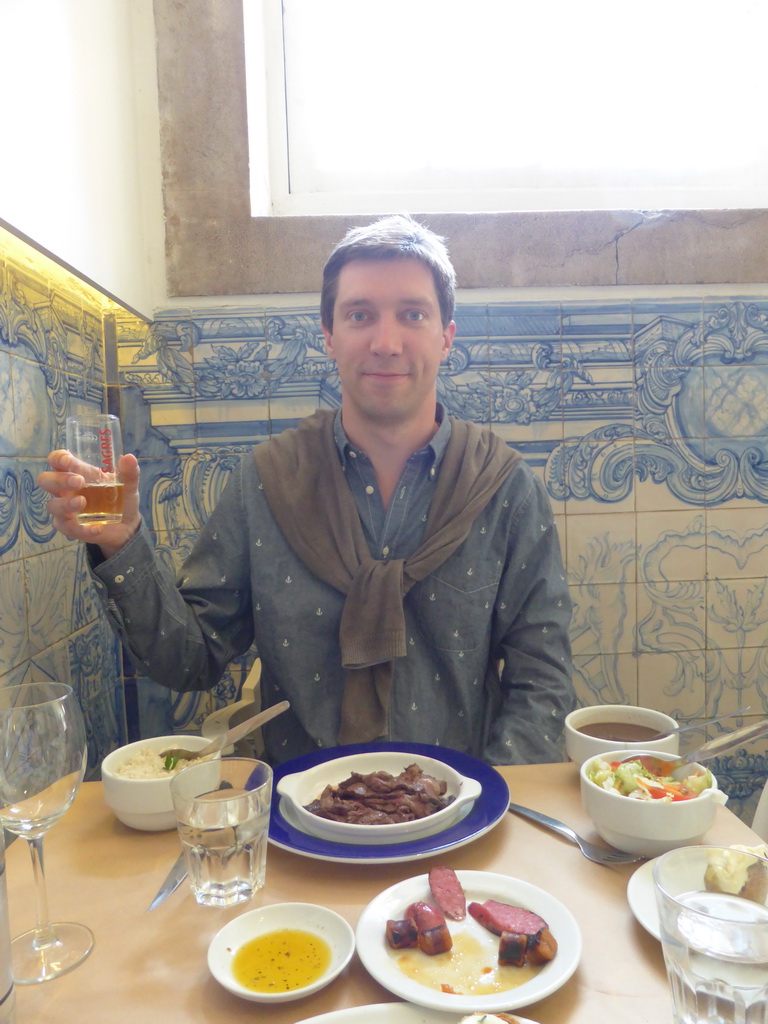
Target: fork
599 854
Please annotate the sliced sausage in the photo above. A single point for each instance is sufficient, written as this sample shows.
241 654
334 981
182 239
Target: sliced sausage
503 917
448 893
542 947
433 934
402 934
512 949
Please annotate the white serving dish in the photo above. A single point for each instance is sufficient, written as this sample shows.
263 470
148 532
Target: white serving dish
579 746
305 916
647 827
146 804
385 964
302 788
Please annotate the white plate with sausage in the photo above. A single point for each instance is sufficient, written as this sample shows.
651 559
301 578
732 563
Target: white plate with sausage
392 1013
476 983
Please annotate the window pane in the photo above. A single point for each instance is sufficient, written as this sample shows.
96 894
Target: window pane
536 101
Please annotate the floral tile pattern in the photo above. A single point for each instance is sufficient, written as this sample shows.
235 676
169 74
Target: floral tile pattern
645 417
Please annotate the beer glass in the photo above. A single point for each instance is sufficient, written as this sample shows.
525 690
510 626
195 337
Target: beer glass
95 441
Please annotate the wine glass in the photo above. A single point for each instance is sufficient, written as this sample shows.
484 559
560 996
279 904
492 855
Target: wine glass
42 761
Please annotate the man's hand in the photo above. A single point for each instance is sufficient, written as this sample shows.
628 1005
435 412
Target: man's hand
63 480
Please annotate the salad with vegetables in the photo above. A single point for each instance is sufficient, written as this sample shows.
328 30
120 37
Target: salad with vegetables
640 780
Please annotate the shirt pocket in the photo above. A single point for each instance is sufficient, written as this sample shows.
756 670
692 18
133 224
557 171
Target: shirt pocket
456 605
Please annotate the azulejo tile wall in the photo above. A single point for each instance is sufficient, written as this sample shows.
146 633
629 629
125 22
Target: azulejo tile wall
51 366
647 419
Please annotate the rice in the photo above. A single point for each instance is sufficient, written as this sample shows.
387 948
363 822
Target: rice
148 764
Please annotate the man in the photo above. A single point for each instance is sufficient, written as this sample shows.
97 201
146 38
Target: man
399 571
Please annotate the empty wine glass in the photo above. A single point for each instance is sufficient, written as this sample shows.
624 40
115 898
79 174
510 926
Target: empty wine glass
42 761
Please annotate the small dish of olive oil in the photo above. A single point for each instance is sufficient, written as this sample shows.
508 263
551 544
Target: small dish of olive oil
281 952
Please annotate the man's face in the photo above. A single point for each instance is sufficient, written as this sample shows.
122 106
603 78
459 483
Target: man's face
388 340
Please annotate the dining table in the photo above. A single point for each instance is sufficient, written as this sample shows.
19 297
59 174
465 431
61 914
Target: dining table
151 966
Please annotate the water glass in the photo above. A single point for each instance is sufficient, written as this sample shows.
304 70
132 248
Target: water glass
95 441
223 824
713 911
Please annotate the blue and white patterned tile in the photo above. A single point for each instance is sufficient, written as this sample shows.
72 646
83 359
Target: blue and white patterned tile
604 616
179 494
37 430
8 445
671 616
524 325
655 496
14 629
656 313
296 352
737 543
735 678
735 331
736 402
10 511
594 474
230 359
737 612
671 546
605 678
601 549
52 663
37 532
673 681
50 582
15 677
157 360
4 302
26 296
742 776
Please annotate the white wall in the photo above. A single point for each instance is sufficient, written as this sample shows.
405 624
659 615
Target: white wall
80 171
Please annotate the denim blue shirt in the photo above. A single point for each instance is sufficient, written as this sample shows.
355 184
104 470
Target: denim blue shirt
488 666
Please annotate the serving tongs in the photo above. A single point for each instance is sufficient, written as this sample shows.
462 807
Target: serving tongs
719 745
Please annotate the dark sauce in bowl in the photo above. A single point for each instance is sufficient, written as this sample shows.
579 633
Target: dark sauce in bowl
618 732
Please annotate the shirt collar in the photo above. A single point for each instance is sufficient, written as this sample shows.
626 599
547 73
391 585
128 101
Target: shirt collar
435 447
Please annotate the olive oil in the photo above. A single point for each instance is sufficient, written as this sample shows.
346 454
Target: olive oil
281 961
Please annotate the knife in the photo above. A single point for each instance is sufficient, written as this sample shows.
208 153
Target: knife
178 872
176 876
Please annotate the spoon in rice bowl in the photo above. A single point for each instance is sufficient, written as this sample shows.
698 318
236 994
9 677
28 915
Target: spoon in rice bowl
233 735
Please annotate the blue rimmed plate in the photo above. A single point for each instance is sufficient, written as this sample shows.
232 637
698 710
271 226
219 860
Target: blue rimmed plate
478 819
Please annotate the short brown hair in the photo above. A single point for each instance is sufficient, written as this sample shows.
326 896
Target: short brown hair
395 237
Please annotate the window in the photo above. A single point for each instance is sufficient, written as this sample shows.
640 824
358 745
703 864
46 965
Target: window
451 105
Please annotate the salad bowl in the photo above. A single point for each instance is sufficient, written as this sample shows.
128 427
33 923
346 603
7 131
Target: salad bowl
649 825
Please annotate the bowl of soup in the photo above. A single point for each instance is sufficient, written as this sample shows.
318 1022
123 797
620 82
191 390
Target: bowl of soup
595 730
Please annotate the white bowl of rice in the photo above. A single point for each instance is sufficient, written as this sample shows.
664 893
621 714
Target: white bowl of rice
137 786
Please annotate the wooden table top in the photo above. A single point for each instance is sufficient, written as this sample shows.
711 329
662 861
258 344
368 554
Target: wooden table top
152 966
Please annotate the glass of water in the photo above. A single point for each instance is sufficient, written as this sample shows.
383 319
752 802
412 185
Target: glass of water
713 911
223 824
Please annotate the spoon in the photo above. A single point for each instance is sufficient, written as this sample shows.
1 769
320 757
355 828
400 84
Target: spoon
719 745
695 725
229 737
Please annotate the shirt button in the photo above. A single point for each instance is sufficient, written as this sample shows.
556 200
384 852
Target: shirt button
385 551
369 489
352 455
432 473
119 579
